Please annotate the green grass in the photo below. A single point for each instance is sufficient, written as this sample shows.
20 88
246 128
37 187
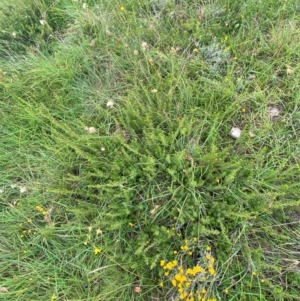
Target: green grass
115 150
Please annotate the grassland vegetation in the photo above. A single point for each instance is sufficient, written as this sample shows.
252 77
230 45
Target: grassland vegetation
149 150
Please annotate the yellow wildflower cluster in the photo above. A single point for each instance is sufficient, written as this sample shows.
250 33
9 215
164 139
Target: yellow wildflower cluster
184 248
189 282
168 266
41 209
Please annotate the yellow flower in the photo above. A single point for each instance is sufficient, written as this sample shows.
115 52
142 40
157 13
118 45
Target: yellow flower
174 282
175 252
97 251
208 248
161 284
183 295
180 278
207 256
53 297
196 270
130 224
226 291
122 8
189 272
167 274
254 273
39 208
190 253
162 263
262 280
212 271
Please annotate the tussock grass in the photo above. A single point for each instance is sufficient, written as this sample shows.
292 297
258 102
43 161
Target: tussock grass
116 157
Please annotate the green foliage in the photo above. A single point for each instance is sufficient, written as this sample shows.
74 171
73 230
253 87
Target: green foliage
30 26
116 152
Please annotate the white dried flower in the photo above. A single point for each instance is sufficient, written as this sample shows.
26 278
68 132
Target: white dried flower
154 91
14 34
144 46
153 211
43 22
151 62
110 104
22 189
102 149
289 70
251 134
135 52
251 76
93 42
1 191
84 6
90 130
273 111
235 132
